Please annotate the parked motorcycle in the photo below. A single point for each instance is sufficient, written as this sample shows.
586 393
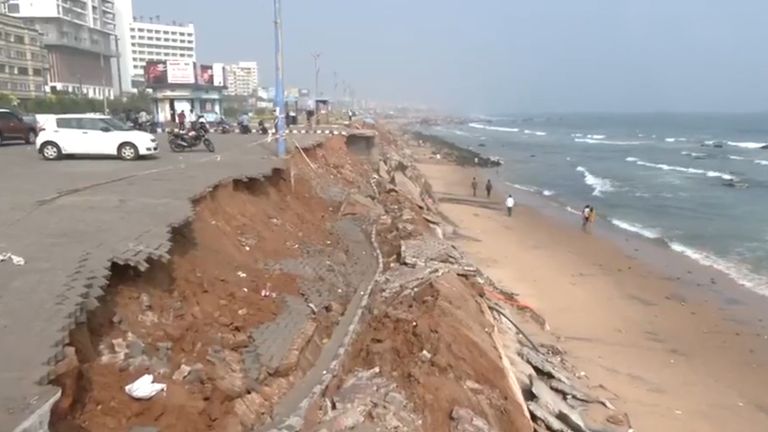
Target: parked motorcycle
244 128
183 140
223 127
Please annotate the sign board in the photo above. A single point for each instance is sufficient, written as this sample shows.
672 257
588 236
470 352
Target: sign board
155 72
303 92
206 75
180 71
218 74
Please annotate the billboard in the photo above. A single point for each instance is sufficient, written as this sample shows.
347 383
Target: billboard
218 74
155 72
304 92
206 75
180 71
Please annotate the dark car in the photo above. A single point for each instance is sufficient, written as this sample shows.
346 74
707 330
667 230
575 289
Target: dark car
14 128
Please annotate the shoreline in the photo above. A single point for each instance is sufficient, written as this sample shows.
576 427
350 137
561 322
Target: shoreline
682 344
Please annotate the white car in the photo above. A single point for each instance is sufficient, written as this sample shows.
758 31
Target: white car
88 134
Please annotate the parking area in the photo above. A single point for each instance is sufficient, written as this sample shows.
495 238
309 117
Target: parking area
69 219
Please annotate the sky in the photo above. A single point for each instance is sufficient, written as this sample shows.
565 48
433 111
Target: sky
501 56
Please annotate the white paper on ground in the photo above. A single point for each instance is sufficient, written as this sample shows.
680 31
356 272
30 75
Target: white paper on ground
15 259
144 388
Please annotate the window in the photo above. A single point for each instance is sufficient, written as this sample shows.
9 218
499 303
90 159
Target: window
18 39
34 41
9 117
22 71
37 72
13 8
3 68
67 123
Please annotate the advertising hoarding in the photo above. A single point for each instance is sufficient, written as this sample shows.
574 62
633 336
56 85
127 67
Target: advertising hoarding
218 74
180 71
206 75
155 72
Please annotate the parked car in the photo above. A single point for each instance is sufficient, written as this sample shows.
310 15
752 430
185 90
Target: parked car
88 134
14 128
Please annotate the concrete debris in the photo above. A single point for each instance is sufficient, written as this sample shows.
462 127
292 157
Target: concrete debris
251 409
572 391
408 188
181 372
543 365
464 420
552 423
555 405
145 302
428 251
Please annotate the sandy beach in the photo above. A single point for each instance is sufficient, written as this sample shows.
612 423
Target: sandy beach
683 348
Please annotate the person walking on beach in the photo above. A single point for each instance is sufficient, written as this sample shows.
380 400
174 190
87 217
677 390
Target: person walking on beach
488 188
510 202
474 186
587 216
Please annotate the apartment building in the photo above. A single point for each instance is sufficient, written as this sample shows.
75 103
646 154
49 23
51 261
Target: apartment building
79 36
23 60
153 41
241 79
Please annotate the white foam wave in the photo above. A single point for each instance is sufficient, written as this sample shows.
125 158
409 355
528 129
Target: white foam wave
597 137
458 132
749 145
735 271
736 157
671 140
532 189
532 132
573 210
493 128
547 192
693 154
600 141
666 167
599 185
637 228
577 135
761 162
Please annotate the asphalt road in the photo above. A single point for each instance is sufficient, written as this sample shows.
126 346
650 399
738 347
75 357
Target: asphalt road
69 220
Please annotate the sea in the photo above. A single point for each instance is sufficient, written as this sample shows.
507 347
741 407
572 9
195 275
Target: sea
697 182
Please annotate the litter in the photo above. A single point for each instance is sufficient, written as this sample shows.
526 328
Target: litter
15 259
241 274
144 388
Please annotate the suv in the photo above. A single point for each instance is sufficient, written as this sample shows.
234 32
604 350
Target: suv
14 128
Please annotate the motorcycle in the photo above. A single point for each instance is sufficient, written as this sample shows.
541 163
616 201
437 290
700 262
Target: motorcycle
244 128
183 140
224 128
263 128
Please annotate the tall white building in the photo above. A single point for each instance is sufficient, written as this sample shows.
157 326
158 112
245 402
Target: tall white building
153 41
79 36
242 79
121 65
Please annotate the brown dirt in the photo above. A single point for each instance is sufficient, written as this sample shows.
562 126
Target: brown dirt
198 300
445 320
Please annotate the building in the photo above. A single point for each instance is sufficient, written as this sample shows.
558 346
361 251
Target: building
122 65
79 37
242 79
23 60
159 42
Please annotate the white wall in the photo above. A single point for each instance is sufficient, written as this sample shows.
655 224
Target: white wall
37 8
123 19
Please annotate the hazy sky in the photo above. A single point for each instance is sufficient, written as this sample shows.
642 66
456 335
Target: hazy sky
486 56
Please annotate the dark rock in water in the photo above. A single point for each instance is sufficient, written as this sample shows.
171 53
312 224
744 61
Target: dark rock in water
481 145
735 184
460 155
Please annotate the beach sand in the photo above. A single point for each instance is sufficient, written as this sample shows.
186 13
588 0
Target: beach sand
682 346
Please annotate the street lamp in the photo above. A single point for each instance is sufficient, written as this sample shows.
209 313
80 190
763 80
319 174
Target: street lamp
316 56
279 90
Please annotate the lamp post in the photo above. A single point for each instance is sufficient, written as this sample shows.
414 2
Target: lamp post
316 56
279 90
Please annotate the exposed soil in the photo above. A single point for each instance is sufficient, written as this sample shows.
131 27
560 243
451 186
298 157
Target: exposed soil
206 298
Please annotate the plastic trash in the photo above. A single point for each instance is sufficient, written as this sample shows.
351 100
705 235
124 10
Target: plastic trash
144 388
15 259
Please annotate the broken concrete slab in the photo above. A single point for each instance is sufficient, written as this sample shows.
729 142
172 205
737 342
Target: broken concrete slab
543 365
555 405
464 420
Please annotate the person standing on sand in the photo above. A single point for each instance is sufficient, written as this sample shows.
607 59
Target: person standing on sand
474 186
587 216
510 202
488 188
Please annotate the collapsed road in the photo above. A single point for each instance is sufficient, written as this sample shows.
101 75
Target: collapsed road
323 296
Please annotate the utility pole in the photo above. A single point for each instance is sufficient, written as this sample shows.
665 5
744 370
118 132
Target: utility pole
103 82
279 90
316 56
119 71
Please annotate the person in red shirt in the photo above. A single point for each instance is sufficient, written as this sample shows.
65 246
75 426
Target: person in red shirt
182 119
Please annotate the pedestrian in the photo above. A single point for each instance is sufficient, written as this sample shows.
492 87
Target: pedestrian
474 186
182 118
173 116
488 188
587 216
510 202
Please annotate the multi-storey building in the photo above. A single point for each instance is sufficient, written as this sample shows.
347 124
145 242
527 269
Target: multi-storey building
79 37
153 41
23 60
241 79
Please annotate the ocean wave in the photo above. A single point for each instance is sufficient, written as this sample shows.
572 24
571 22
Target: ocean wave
761 162
671 140
736 157
532 132
748 145
458 132
493 128
650 233
532 189
693 154
735 271
666 167
577 135
599 185
597 137
601 141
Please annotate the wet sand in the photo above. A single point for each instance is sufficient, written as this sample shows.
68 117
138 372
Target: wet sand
684 348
